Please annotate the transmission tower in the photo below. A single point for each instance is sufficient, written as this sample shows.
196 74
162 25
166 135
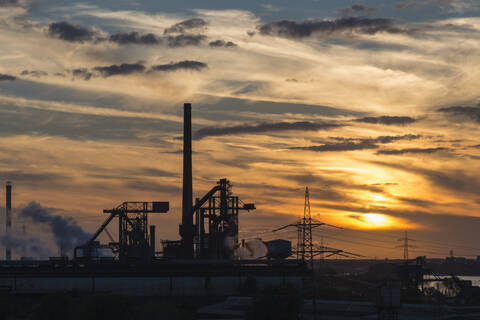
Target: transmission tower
405 245
306 248
306 245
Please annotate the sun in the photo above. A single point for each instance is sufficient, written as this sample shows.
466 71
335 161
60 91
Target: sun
376 220
378 197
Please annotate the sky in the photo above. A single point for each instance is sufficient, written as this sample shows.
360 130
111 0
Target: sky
374 105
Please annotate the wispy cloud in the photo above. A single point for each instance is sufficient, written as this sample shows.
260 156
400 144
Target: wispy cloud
387 120
411 151
264 127
356 144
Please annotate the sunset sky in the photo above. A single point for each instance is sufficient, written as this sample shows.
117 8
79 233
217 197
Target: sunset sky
375 105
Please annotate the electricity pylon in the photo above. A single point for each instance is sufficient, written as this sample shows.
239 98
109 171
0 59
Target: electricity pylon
406 245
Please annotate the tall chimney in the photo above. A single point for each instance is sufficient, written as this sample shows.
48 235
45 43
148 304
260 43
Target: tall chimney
186 231
152 240
8 217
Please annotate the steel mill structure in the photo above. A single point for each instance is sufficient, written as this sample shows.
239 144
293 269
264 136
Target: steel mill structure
201 263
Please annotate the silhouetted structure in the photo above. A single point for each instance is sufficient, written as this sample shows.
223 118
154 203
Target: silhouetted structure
306 249
186 228
8 218
134 242
130 264
220 209
406 245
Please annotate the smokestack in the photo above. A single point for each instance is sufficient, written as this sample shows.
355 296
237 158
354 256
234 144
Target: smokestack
152 240
8 217
186 231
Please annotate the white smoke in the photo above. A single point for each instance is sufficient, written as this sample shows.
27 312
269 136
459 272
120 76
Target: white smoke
252 249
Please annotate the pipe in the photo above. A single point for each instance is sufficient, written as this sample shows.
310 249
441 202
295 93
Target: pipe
8 217
186 230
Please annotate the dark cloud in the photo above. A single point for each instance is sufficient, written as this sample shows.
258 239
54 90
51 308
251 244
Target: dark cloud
356 9
390 139
293 29
122 69
181 65
135 38
340 146
69 32
345 144
7 77
82 73
387 120
183 40
222 43
186 25
34 178
9 3
472 113
411 150
417 202
264 127
34 73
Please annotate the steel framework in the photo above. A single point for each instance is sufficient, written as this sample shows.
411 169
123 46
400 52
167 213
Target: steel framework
135 242
216 222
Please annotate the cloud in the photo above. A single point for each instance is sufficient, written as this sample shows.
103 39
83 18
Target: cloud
9 3
122 69
222 43
389 139
151 186
181 65
454 180
186 25
340 146
307 28
69 32
34 73
50 178
356 9
472 113
411 150
135 38
264 127
387 120
356 144
183 40
456 6
82 73
7 77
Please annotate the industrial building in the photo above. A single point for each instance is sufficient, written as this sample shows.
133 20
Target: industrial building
203 262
